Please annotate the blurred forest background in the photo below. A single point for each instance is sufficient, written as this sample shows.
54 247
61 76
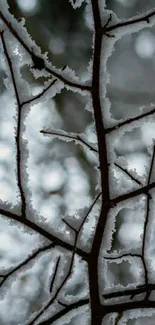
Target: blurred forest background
62 176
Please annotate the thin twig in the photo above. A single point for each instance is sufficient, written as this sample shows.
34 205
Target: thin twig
118 318
62 303
130 21
143 190
26 261
35 58
126 171
104 28
73 137
71 263
147 218
130 292
122 256
40 230
129 121
50 302
40 94
54 274
18 136
79 138
65 311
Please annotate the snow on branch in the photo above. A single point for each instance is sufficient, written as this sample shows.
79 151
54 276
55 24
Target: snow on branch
40 62
99 300
24 263
70 267
65 311
150 111
131 25
78 138
18 136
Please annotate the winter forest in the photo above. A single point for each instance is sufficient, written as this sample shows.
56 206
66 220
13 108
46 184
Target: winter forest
77 162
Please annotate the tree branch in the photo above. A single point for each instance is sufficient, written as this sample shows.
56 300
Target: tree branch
37 59
147 219
26 261
36 228
74 137
131 21
129 121
96 316
18 136
128 174
65 311
40 94
130 292
143 190
71 263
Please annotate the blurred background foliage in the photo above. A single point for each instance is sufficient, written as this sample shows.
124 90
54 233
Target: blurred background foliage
62 176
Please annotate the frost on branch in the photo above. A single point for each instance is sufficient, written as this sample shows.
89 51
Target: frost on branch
76 3
96 256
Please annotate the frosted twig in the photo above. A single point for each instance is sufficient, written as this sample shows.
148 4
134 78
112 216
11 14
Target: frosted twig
129 121
54 274
26 261
143 190
118 318
130 292
122 256
40 94
62 303
131 21
18 136
126 171
36 228
64 311
95 304
86 216
50 302
147 218
73 137
104 28
71 263
36 60
129 305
